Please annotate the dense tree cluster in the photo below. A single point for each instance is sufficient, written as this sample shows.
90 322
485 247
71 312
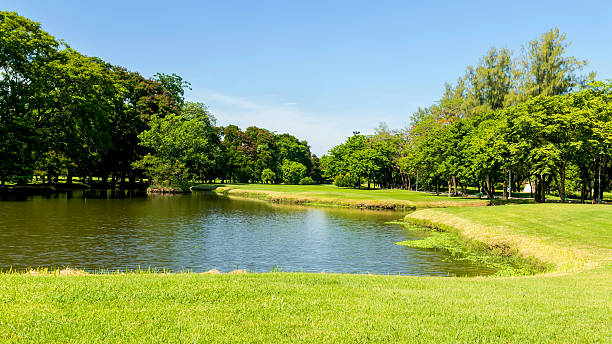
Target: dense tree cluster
505 123
66 114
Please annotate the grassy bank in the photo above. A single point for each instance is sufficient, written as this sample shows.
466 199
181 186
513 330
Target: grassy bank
569 237
346 197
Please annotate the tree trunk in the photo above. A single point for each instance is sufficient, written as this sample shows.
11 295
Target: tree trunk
505 190
561 183
490 191
104 180
437 187
540 189
537 185
602 182
583 190
69 177
449 187
543 189
455 185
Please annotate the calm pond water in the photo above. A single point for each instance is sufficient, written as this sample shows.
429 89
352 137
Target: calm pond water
114 230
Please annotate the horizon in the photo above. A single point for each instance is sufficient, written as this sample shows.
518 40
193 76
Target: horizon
359 65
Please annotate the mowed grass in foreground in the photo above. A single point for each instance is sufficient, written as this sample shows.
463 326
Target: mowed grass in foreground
295 307
333 195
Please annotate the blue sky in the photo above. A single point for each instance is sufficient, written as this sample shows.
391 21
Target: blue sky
316 69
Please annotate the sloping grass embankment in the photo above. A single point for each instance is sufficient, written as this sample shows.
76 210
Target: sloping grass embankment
567 237
330 195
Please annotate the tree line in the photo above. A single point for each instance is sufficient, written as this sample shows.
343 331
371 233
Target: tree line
533 118
64 114
508 121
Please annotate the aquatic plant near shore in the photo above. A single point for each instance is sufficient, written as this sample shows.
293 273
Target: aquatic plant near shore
469 250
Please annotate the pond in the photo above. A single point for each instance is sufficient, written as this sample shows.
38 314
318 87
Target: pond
118 230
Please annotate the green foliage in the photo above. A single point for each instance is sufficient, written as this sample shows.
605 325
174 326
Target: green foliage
307 181
491 80
25 49
175 85
362 157
165 173
293 172
461 250
249 153
268 176
544 68
184 147
346 180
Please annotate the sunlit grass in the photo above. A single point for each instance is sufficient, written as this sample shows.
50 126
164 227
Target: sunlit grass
294 307
570 236
332 195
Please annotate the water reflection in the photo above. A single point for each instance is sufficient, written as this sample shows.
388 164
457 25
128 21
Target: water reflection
93 229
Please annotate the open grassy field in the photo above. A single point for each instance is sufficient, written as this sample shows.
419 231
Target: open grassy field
572 304
333 195
315 308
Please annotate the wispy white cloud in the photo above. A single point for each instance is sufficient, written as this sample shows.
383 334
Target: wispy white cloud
322 131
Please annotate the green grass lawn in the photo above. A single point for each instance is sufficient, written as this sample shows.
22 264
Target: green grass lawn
315 308
333 195
571 304
583 225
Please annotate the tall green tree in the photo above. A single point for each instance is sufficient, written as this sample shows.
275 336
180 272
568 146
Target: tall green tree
491 80
25 49
544 68
184 147
174 85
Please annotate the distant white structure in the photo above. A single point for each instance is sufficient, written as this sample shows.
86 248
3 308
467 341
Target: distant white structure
527 188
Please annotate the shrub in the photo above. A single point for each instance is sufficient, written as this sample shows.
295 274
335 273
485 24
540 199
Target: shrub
345 180
267 176
307 181
293 172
